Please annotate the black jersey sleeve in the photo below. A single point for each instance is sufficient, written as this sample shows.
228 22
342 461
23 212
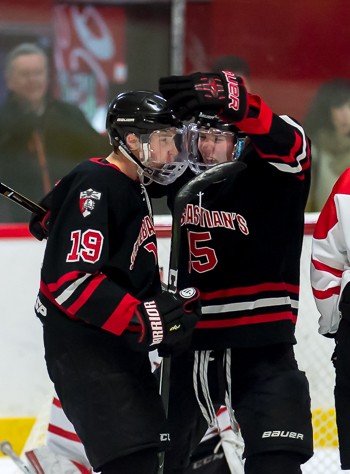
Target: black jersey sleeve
85 271
280 140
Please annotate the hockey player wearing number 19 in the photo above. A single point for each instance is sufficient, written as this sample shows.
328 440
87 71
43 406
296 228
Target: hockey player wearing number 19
241 246
100 299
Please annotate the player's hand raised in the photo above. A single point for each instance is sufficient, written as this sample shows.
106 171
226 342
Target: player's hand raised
221 93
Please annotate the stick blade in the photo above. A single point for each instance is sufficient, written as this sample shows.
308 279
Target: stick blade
212 175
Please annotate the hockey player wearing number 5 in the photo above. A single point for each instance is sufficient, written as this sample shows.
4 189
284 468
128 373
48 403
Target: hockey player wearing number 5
100 298
241 248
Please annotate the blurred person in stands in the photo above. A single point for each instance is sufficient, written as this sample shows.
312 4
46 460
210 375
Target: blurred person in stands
41 138
330 279
327 123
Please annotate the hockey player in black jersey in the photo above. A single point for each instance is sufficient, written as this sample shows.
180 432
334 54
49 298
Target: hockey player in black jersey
242 242
100 299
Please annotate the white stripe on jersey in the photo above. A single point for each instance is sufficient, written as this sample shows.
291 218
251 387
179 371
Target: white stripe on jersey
285 167
67 293
249 305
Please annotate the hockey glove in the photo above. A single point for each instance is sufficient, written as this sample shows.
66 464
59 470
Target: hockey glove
168 318
39 225
222 93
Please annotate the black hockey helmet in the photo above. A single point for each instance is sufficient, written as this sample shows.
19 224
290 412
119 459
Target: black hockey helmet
146 114
226 142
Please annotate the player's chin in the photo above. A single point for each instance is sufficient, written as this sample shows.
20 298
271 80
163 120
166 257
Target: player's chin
211 161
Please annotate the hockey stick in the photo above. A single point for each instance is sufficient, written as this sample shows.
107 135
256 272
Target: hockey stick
6 449
184 196
21 200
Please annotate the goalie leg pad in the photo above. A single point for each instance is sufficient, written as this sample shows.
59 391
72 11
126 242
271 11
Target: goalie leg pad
43 460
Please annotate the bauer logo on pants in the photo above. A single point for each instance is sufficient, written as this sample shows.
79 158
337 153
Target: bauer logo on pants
282 434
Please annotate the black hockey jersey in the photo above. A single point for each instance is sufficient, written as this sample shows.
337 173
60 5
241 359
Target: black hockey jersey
242 238
101 254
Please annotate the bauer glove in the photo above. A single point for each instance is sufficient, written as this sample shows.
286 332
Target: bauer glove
167 319
221 93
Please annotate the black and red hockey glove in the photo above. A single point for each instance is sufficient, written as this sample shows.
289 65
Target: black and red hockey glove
38 224
168 318
221 93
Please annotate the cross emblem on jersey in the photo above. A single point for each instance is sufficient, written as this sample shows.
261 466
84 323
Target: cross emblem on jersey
200 194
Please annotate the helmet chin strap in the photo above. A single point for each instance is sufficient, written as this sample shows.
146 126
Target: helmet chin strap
131 157
127 153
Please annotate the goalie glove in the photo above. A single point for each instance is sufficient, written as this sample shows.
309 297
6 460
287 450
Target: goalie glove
168 318
222 93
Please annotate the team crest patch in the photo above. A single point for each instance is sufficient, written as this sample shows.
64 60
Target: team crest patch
87 201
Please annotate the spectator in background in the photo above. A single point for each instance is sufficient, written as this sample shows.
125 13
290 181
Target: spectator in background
232 63
41 138
327 123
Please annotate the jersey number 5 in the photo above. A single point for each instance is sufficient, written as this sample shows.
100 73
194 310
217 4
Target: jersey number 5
86 246
203 258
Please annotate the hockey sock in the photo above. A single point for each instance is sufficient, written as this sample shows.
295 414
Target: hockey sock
273 463
141 462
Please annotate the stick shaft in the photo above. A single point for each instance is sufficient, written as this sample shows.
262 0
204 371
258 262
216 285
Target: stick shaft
6 449
21 200
184 196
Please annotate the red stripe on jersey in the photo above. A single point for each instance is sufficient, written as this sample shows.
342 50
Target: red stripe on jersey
63 433
291 158
257 125
325 268
247 320
249 290
63 279
324 294
82 469
56 402
327 219
86 294
328 216
46 292
221 410
121 316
